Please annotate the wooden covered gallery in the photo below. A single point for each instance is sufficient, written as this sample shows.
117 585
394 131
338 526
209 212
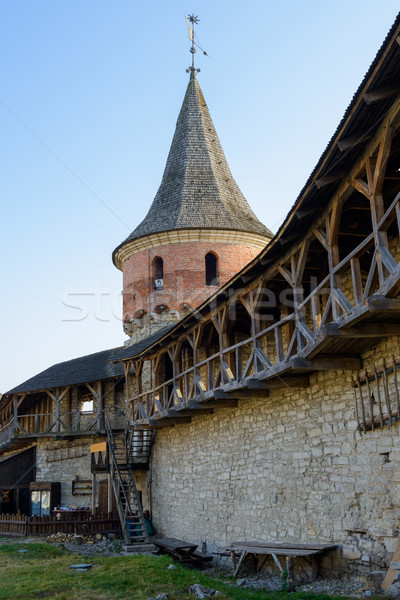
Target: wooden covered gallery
271 412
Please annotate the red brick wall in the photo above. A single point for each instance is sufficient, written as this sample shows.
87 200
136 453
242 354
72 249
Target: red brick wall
184 274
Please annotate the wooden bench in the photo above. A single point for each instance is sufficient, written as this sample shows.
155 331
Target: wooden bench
242 551
185 552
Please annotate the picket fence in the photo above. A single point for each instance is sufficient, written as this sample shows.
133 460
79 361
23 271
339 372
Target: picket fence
81 524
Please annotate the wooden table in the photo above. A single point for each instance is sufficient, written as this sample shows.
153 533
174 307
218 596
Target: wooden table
246 550
174 547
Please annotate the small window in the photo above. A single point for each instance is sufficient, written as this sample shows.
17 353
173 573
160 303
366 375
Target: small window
211 269
157 272
87 403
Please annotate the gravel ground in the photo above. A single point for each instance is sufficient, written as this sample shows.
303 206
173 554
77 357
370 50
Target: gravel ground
335 587
105 548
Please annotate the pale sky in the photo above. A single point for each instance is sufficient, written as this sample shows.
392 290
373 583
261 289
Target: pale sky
89 97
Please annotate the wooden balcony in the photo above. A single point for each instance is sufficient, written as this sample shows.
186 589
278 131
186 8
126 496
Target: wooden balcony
57 425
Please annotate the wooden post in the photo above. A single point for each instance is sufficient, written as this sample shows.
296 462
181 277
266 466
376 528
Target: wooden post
137 374
96 392
57 396
362 402
15 413
58 409
127 367
94 492
289 569
371 401
109 493
99 406
220 321
174 356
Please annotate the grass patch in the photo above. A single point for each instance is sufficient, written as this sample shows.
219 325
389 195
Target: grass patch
43 572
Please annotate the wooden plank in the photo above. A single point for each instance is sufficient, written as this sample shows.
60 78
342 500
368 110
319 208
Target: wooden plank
289 570
173 543
278 551
285 545
242 558
277 561
391 573
100 447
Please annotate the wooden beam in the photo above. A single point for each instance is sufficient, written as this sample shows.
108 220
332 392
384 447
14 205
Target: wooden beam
167 421
363 330
353 140
227 402
241 394
327 363
303 213
278 382
380 94
329 178
287 239
193 409
168 414
378 302
194 412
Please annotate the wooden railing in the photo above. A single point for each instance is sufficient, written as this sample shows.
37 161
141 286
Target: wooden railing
6 432
52 424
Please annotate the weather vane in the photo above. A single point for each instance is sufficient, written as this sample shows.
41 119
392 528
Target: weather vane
191 20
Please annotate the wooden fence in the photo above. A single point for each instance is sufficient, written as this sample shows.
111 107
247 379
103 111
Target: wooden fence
12 525
21 525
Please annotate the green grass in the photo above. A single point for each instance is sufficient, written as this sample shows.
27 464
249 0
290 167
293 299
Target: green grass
43 572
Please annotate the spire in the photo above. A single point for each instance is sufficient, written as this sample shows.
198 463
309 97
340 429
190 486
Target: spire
197 190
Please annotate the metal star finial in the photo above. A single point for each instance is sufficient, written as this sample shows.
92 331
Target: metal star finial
191 21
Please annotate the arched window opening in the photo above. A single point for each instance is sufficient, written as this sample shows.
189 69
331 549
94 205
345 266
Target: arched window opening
160 308
157 272
211 269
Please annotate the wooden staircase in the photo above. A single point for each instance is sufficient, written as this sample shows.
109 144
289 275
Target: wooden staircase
138 447
125 491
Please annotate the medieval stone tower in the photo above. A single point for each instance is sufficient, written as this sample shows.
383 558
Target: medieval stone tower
198 233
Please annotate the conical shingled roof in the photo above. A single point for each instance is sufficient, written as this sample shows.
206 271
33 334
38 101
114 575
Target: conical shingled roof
197 190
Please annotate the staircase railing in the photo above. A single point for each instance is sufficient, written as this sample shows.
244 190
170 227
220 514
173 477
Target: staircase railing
117 481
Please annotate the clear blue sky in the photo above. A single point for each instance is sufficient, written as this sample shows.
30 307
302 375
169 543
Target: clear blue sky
98 86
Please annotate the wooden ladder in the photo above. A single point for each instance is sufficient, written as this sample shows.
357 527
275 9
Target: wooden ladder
127 497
